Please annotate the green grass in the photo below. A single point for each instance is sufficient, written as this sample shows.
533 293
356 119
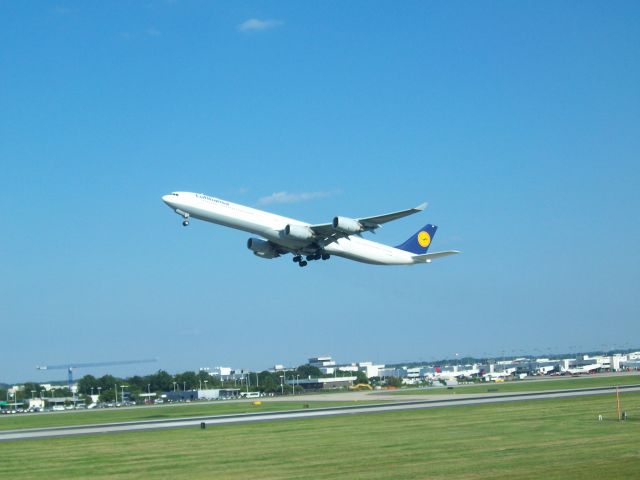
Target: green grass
551 439
528 385
84 417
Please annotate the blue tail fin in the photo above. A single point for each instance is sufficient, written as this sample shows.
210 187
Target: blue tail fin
419 242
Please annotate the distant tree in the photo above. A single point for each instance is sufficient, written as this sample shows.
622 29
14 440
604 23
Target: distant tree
107 382
268 383
161 381
204 375
394 382
86 383
214 382
59 392
361 377
306 371
187 380
31 387
107 395
137 383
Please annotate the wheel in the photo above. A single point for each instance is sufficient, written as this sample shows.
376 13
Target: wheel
185 223
326 256
317 256
297 258
311 257
303 263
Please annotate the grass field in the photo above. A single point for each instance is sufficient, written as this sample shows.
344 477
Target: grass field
84 417
560 383
551 439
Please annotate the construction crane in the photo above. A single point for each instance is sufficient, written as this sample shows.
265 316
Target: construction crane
70 367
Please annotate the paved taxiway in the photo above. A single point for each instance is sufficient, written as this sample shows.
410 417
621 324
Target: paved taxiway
24 434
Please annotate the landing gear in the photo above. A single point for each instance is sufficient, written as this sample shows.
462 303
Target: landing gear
185 223
304 261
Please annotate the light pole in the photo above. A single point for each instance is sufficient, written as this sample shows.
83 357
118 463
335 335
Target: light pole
206 387
248 377
293 385
298 381
257 380
174 386
184 388
115 391
122 396
282 383
149 392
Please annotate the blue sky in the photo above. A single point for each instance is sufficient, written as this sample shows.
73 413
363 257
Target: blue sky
519 123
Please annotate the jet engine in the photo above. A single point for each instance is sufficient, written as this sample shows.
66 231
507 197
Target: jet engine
299 232
347 225
262 248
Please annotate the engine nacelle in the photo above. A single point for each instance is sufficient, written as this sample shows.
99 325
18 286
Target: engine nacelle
262 248
347 225
299 232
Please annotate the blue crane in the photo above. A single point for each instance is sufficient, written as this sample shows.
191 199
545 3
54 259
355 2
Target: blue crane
70 367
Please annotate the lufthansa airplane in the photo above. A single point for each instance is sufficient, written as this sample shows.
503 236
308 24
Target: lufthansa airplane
281 235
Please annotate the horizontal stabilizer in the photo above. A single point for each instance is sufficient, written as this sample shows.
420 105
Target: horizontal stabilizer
427 257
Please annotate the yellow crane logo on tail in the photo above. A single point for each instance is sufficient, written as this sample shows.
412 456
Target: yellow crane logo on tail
424 239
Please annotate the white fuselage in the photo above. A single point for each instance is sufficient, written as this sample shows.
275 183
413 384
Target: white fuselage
271 226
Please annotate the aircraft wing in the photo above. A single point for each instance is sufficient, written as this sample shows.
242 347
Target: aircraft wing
369 224
375 222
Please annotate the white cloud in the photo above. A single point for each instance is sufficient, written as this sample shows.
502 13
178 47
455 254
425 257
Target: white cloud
287 197
256 25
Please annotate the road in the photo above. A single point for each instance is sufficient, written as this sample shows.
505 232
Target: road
209 421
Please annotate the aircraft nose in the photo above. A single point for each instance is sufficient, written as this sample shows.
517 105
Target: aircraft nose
167 199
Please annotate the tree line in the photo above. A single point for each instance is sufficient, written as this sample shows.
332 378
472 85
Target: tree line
162 381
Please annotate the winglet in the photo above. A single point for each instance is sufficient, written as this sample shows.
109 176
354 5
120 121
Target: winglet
422 206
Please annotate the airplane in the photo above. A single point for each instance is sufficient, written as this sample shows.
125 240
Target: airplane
307 242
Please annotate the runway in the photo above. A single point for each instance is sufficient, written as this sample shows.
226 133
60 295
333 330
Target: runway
212 421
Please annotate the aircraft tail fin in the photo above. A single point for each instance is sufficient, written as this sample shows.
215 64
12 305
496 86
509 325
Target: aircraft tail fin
419 242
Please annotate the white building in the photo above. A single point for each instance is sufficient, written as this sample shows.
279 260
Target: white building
224 373
324 383
369 369
325 363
